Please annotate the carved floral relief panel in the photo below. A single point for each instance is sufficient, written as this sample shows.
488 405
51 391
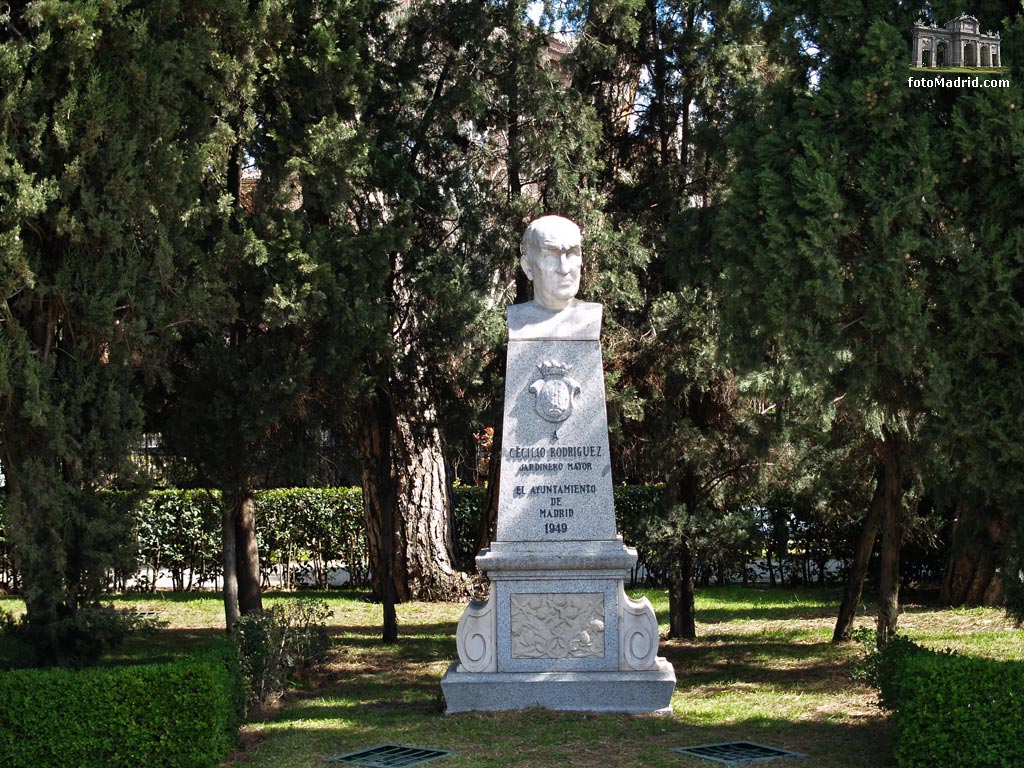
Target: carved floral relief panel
557 626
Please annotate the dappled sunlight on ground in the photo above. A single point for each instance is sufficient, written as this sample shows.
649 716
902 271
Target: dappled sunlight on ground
762 669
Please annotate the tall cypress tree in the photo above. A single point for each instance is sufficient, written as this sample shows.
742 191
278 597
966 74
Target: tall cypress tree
666 80
840 234
475 135
980 308
107 137
249 394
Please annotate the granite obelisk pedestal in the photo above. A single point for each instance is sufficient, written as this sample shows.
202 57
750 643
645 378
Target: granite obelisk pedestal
558 630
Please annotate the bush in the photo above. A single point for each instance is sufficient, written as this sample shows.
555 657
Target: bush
467 506
181 714
951 710
180 532
878 668
281 641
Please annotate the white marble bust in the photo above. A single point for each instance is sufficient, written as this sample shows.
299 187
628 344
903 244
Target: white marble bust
552 258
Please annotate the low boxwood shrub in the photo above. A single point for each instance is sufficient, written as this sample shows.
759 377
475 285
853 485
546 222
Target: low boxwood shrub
180 714
953 711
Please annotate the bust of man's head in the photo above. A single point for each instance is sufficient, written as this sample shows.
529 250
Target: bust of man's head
552 257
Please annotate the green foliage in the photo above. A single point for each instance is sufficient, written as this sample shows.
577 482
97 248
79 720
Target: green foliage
110 131
314 526
874 247
467 506
280 641
980 306
720 544
179 532
637 509
85 635
952 710
176 715
879 667
176 531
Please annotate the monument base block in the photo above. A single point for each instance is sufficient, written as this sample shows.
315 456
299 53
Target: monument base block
649 691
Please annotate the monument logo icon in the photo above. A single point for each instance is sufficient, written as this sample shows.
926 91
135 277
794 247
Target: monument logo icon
956 44
555 391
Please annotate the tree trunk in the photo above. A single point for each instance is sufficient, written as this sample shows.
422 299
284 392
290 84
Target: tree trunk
892 540
972 577
407 503
681 611
250 598
379 501
861 558
489 513
425 562
231 611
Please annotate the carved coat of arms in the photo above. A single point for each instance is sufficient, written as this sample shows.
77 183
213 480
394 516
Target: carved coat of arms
555 391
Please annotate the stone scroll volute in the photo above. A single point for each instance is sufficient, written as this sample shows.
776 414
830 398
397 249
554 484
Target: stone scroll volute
638 638
475 637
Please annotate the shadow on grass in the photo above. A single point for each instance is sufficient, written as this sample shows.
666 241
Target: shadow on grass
215 594
767 613
166 597
308 732
735 683
162 645
404 706
809 668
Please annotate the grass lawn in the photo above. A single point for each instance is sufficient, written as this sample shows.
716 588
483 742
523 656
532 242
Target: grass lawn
763 670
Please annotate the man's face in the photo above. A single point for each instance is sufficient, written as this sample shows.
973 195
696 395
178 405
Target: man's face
555 268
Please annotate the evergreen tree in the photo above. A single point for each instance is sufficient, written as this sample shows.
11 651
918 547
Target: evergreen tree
839 235
108 133
541 141
411 213
980 308
666 79
249 392
475 136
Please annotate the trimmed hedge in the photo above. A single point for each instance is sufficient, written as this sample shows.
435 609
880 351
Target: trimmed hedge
181 714
314 525
178 532
953 711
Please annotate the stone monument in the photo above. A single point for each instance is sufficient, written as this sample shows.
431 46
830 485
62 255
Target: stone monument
558 630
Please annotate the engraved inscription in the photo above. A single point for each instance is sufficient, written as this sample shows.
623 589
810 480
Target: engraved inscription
556 491
546 498
558 626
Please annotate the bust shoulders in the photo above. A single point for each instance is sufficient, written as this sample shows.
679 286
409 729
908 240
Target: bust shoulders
580 321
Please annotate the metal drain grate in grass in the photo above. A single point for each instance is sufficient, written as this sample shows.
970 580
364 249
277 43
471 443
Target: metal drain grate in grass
390 756
737 752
